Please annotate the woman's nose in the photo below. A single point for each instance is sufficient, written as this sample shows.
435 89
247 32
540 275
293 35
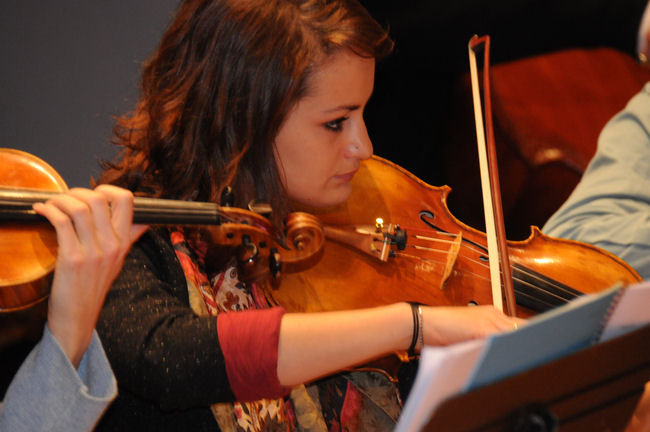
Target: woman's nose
360 146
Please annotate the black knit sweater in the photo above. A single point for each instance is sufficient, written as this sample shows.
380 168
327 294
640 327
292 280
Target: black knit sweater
168 362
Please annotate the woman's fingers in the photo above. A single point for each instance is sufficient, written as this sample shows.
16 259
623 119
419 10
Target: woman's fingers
122 213
447 325
100 219
121 201
65 231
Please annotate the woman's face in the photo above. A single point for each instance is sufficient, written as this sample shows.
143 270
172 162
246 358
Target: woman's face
323 139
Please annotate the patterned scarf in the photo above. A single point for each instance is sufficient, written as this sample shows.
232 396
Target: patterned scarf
347 402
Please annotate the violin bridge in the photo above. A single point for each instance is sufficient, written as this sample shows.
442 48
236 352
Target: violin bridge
452 256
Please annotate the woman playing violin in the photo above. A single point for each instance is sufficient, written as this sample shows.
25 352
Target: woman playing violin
266 97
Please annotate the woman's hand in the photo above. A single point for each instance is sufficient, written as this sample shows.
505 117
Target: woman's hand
94 232
447 325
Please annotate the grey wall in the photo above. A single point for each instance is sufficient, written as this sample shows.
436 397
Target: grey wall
68 67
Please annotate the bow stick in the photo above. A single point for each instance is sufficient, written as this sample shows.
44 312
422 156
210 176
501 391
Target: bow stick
496 237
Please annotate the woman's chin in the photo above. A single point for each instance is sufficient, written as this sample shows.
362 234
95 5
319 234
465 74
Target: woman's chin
331 199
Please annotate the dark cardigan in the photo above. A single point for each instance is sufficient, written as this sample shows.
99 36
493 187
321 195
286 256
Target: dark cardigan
168 362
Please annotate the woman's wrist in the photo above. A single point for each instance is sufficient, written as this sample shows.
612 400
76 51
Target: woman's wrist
74 343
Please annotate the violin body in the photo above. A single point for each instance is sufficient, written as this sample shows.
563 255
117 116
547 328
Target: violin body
444 263
28 249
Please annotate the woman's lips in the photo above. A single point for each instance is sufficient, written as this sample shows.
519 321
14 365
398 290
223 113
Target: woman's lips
346 177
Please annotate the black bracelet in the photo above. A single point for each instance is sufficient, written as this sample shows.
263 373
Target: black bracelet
416 329
420 345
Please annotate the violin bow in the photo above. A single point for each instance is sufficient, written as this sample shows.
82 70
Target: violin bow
495 230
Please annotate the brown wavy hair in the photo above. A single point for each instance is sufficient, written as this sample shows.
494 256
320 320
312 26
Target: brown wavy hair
219 86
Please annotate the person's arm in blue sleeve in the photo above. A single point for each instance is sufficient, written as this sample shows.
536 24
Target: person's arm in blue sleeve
610 206
49 394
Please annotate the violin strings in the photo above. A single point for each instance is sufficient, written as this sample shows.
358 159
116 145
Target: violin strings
519 288
418 258
567 294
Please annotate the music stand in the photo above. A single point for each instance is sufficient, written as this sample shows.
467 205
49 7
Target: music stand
595 389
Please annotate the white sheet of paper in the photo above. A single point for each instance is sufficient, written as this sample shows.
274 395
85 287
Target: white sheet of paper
448 369
632 311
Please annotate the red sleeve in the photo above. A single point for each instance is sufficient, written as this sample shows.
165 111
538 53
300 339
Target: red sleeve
249 341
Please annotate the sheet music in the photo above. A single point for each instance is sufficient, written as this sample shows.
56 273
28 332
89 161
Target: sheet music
632 311
447 371
443 372
548 336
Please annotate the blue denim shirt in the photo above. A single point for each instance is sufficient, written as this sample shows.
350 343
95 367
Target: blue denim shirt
610 206
49 394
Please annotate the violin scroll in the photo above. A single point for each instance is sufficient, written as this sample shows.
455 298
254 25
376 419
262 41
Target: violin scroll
261 250
304 236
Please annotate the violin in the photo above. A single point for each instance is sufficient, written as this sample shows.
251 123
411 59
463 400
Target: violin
395 240
28 247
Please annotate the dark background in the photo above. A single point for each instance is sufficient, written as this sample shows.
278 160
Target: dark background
68 67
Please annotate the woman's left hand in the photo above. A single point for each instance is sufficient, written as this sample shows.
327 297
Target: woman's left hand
94 233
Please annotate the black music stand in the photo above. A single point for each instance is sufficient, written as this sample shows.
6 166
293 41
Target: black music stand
595 389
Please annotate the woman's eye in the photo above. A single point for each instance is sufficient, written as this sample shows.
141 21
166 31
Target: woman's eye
336 125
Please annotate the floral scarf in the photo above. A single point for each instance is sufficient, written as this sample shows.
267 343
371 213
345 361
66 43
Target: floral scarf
347 402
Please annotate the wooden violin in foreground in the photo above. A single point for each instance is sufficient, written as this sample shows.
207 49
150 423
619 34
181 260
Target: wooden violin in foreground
395 240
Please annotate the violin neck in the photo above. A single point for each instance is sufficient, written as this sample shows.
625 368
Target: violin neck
164 211
16 205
